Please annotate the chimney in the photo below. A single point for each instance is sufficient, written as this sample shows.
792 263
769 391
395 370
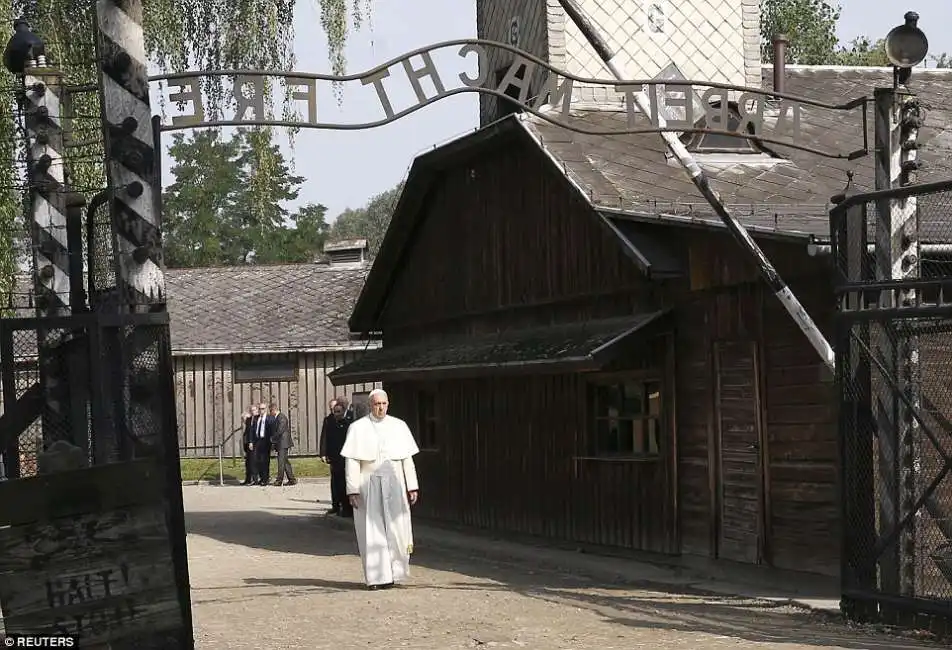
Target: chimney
780 42
347 253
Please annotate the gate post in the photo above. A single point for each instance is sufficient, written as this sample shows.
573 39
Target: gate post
42 101
897 258
144 395
849 243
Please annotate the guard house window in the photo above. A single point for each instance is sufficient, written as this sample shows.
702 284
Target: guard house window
627 419
263 368
427 420
718 143
504 107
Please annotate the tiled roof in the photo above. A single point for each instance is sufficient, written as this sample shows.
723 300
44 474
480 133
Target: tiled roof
632 173
266 307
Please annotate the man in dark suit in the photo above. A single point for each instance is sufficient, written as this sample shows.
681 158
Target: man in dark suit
333 435
263 445
248 445
282 443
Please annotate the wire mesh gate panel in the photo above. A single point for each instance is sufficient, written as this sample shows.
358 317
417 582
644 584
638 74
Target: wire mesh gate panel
92 538
894 372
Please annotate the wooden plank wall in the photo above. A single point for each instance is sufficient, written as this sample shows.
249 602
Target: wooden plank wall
802 437
506 462
796 433
209 404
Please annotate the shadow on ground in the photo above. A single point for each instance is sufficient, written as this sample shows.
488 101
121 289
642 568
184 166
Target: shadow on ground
642 605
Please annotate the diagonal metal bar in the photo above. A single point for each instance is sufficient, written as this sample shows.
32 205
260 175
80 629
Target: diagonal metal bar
702 182
926 498
904 399
19 415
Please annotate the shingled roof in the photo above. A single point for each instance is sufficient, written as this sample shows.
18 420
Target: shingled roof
631 177
632 174
292 307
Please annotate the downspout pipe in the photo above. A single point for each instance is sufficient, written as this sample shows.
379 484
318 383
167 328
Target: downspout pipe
703 184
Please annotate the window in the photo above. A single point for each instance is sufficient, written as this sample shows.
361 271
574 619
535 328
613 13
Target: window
627 419
718 143
427 421
360 403
260 368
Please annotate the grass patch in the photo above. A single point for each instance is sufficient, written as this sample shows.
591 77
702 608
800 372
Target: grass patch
233 469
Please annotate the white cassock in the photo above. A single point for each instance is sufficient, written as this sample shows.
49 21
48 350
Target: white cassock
379 467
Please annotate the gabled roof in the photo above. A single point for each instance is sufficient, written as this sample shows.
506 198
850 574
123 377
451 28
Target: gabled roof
630 177
282 307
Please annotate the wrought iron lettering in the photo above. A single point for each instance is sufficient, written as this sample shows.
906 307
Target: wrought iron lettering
686 106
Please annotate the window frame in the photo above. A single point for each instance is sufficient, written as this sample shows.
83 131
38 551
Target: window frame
264 368
653 439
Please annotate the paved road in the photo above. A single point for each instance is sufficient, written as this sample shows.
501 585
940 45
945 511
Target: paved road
269 572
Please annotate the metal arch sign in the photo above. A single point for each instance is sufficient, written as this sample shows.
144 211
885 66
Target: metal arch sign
771 118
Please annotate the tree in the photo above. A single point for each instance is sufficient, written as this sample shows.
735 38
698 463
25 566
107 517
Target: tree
198 206
809 24
369 222
180 35
228 201
811 27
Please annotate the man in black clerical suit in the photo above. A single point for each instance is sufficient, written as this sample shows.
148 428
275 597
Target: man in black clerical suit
248 446
282 443
333 435
263 445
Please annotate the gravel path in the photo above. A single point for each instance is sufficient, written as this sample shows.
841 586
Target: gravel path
269 572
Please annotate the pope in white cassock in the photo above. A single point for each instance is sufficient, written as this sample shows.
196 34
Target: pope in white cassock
381 486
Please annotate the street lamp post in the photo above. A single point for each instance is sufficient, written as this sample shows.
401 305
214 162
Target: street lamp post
897 121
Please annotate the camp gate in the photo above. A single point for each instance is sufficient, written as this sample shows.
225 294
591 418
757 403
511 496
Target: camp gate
92 536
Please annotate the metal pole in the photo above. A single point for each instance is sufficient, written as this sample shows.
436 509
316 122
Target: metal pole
42 104
702 182
897 258
221 470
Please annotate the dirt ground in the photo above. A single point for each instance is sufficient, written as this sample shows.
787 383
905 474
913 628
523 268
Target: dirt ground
269 571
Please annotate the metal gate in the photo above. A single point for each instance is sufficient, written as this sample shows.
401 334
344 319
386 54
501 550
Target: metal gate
894 372
92 489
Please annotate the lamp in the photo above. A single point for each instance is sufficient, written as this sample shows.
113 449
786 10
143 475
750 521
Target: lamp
906 47
24 47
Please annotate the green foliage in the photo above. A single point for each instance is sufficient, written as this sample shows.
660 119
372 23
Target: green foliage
369 222
862 52
228 200
809 24
180 35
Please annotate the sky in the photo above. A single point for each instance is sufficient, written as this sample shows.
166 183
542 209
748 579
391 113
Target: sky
345 168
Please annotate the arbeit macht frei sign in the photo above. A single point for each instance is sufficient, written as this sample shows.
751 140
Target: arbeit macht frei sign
681 103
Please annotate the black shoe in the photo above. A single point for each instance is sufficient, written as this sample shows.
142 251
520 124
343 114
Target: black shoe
333 511
383 586
293 481
346 514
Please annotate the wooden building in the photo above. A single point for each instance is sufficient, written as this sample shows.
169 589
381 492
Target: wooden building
585 354
256 333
